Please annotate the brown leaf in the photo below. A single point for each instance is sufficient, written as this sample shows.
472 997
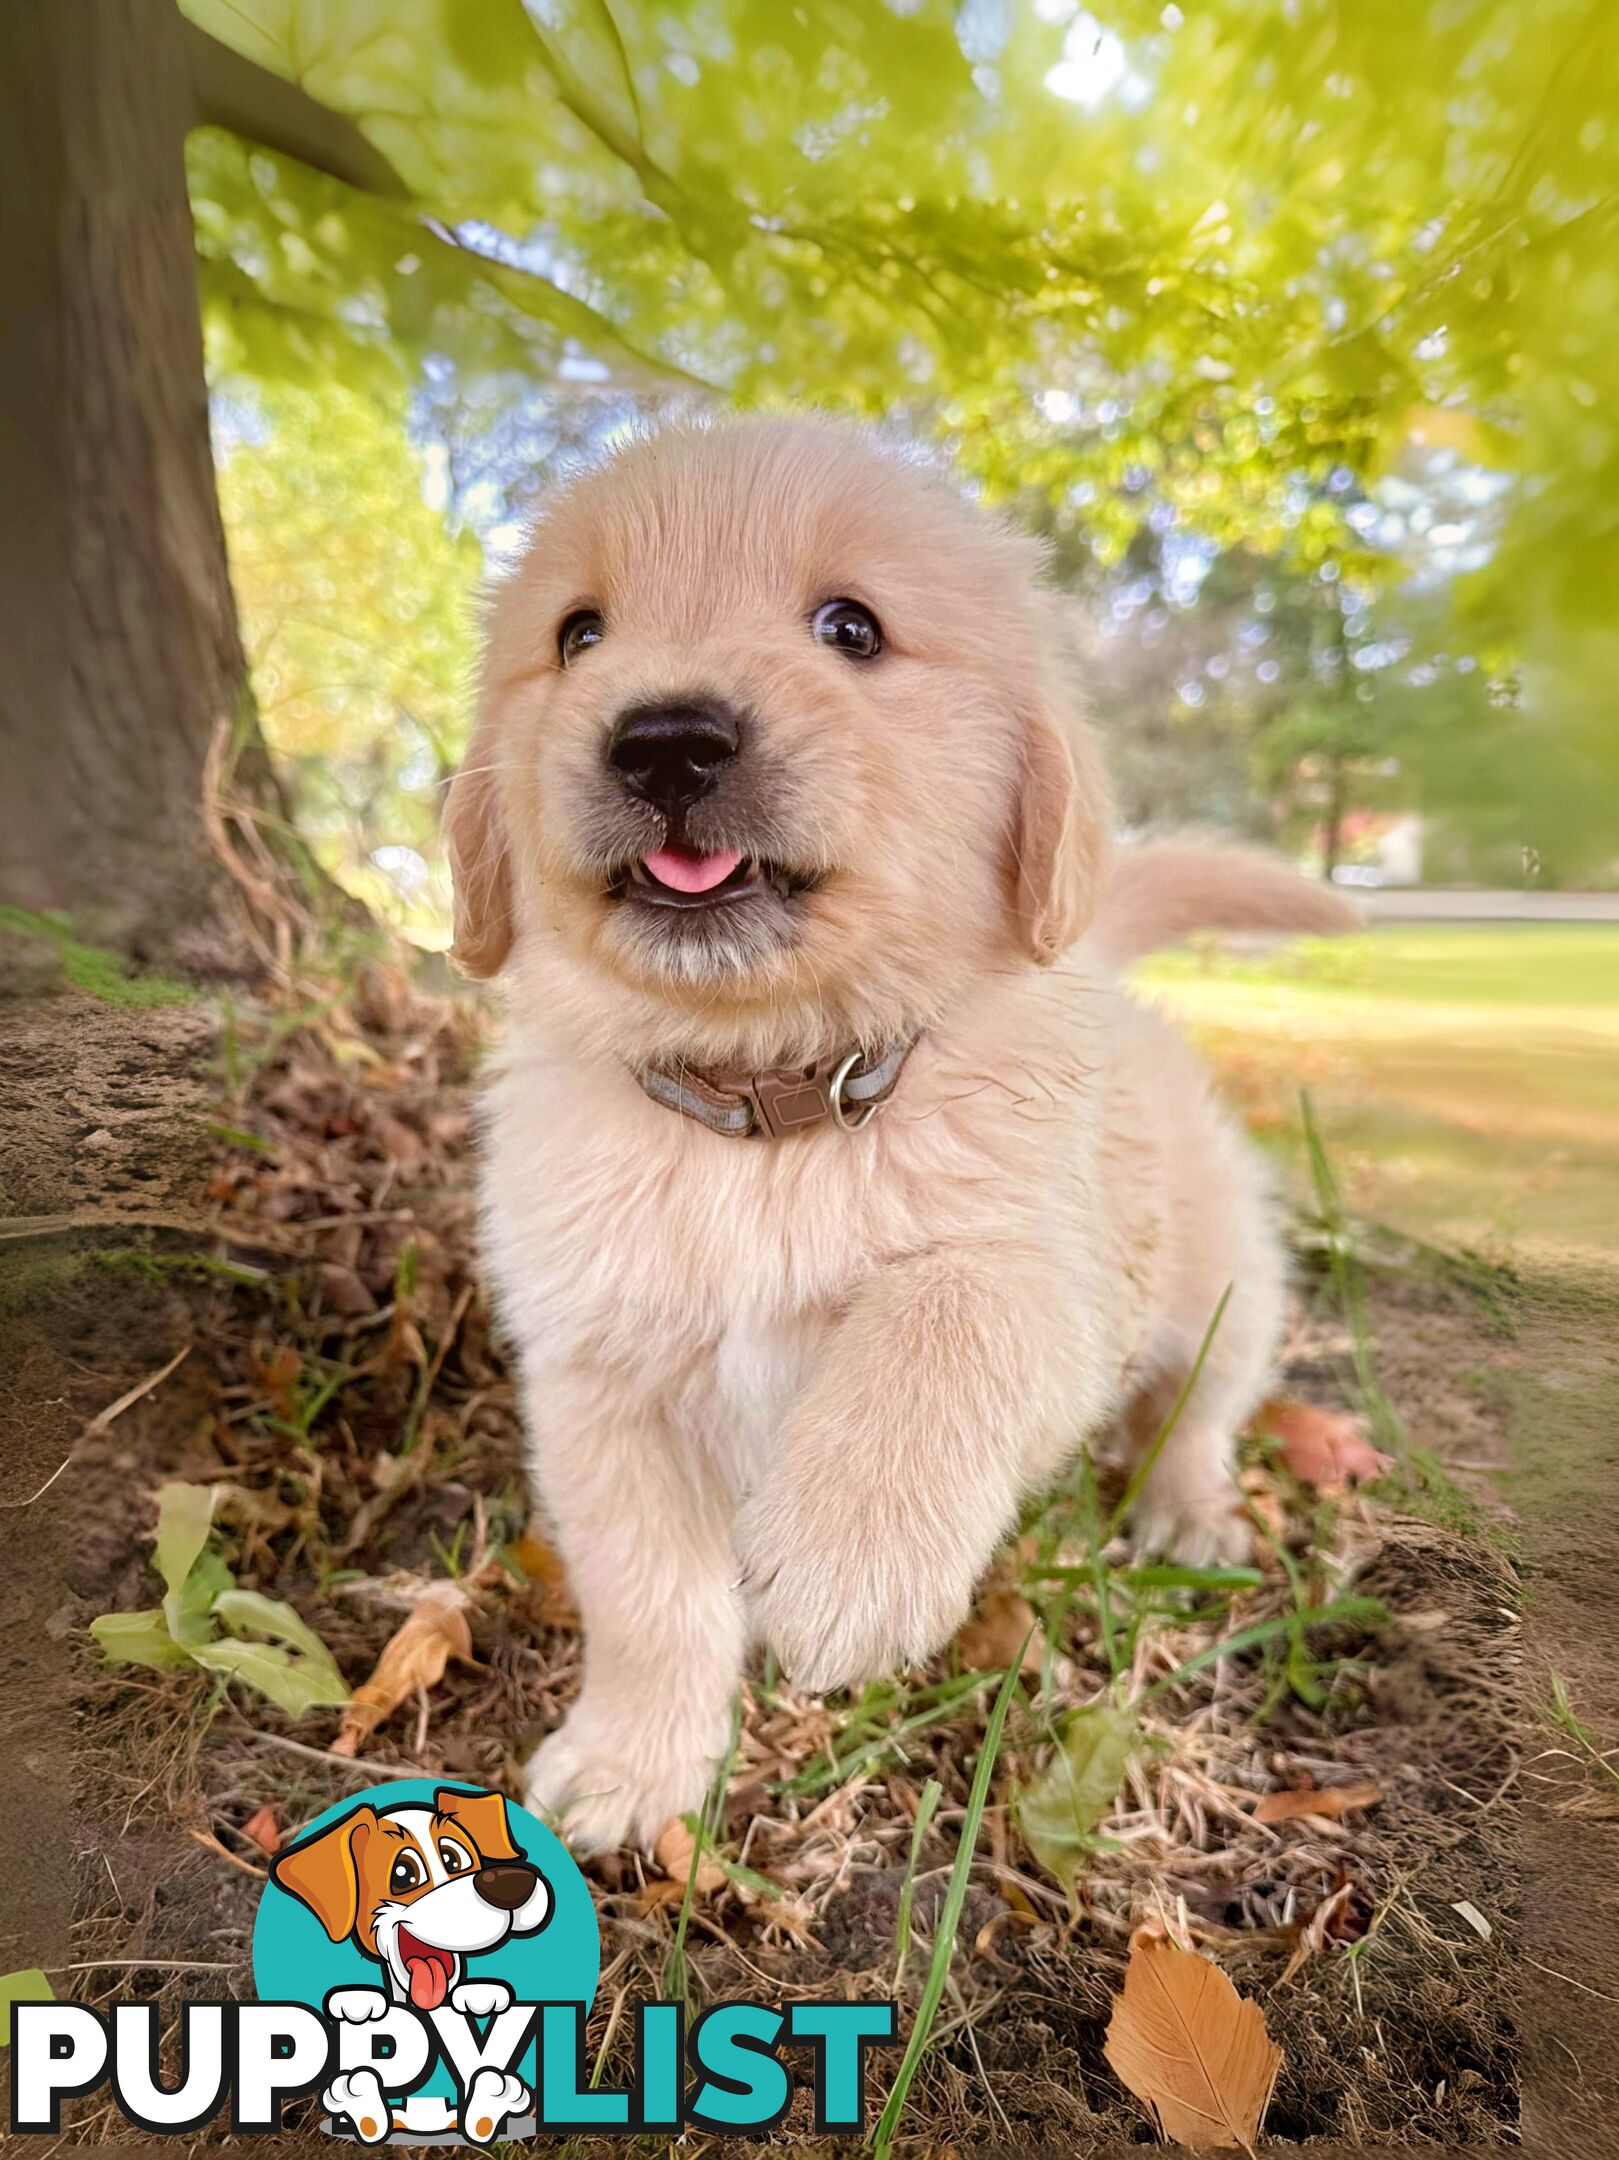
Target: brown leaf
1331 1800
672 1851
415 1655
1325 1448
994 1636
264 1830
545 1571
278 1372
1184 2041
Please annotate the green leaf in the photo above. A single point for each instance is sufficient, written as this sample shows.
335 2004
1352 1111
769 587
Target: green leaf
1168 1577
138 1638
30 1985
239 1609
293 1684
184 1513
1060 1811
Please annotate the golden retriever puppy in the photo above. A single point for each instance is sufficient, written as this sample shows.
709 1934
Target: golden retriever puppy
834 1190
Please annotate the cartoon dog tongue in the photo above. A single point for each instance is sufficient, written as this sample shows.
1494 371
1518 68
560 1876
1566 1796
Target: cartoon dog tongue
429 1980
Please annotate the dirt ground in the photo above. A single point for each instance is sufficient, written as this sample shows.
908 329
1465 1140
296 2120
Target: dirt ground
284 1198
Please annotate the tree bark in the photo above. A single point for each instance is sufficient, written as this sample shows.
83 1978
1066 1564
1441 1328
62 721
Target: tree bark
121 647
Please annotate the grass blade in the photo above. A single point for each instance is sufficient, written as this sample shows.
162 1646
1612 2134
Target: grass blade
944 1935
902 1923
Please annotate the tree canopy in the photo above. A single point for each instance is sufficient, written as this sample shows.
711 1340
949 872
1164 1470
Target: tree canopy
1225 270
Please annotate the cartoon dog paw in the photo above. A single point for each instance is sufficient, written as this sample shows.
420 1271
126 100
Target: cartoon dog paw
480 1998
491 2098
357 2006
358 2095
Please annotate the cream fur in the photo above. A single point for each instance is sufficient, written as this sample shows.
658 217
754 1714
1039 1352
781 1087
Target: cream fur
795 1391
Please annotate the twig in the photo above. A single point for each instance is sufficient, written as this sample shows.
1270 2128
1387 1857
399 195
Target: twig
100 1422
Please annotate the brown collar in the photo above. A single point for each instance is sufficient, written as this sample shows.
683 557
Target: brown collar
787 1099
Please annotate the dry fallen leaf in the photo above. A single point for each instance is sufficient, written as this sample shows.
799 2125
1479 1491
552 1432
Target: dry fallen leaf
995 1634
1316 1800
1474 1918
672 1851
265 1832
1184 2041
415 1655
1325 1448
545 1571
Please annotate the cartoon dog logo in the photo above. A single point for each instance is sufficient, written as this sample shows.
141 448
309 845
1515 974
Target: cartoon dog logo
420 1890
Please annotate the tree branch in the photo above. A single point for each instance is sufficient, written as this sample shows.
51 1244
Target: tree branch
236 93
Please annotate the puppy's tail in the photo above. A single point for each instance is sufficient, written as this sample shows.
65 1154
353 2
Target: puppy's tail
1163 890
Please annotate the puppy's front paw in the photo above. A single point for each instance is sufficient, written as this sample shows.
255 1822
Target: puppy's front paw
615 1778
357 2005
492 2099
1191 1515
480 1998
842 1598
357 2098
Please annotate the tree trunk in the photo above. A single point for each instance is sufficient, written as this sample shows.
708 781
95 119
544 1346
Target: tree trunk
1337 804
122 650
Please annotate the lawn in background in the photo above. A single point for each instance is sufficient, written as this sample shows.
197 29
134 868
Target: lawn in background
1466 1077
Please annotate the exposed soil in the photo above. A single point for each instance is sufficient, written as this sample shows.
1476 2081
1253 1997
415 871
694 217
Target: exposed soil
346 1237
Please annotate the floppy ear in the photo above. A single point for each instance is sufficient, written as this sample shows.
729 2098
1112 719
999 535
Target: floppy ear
324 1872
483 1817
479 862
1061 831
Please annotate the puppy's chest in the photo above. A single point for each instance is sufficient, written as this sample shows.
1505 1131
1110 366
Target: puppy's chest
699 1251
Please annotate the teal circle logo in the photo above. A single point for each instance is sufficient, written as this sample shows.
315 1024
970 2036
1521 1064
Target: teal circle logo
425 1896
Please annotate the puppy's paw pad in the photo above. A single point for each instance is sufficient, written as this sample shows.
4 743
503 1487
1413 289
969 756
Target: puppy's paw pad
492 2099
357 2096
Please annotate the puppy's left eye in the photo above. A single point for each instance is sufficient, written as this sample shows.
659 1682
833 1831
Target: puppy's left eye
848 628
583 628
455 1860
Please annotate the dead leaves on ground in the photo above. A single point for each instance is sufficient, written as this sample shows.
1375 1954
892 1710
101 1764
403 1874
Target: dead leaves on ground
673 1851
413 1659
1185 2042
263 1830
998 1632
1332 1801
1323 1448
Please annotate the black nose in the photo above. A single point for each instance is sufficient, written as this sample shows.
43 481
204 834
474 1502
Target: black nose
505 1884
669 755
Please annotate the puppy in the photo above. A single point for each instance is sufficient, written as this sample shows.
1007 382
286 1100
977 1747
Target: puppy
834 1190
420 1890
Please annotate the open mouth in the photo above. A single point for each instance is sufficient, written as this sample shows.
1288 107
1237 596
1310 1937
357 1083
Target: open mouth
428 1969
681 877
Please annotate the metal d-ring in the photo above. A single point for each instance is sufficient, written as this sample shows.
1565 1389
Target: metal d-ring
834 1096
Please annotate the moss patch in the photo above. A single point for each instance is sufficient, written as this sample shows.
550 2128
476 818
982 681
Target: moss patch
98 973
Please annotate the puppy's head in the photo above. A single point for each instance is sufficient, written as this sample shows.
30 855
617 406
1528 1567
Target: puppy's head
420 1889
773 751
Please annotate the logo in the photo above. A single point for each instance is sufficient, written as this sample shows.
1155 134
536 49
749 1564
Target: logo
417 1920
426 1958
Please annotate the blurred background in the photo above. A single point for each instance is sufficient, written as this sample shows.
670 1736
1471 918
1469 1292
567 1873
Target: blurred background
1289 324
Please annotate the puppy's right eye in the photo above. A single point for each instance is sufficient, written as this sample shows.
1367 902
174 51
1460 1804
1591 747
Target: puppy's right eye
405 1874
583 628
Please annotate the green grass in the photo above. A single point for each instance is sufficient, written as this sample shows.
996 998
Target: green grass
99 974
1510 964
944 1934
1466 1077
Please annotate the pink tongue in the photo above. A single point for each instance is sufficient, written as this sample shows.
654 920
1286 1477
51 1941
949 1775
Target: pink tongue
429 1982
682 871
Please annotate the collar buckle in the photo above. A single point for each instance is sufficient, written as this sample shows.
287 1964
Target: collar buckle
789 1099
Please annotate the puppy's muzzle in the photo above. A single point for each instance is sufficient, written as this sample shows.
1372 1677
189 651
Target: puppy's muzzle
671 755
505 1884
